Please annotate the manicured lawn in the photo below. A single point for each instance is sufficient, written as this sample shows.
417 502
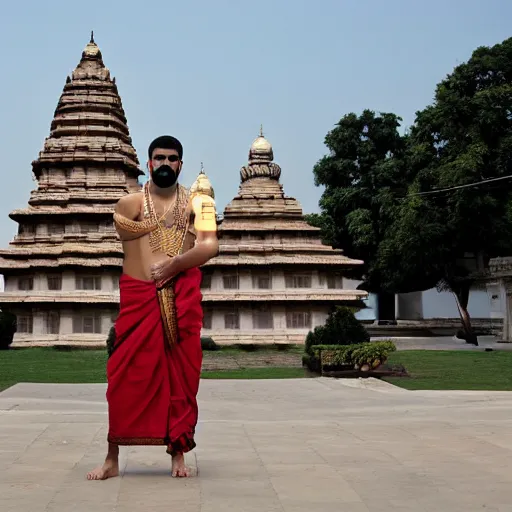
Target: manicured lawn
256 373
48 365
429 369
468 370
52 366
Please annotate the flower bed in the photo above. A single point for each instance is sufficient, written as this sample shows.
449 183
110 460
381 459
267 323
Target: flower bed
362 357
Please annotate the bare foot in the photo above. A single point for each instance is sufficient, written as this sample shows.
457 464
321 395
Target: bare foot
179 470
110 469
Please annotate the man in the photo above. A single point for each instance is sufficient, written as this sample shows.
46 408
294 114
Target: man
154 369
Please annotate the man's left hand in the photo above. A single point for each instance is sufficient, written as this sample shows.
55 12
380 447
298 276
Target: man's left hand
164 270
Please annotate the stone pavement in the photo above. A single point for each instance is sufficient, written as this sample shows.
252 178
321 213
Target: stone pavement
312 445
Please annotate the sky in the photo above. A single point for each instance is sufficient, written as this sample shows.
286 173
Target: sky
211 72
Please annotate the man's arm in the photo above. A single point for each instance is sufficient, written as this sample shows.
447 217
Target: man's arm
207 243
128 206
205 248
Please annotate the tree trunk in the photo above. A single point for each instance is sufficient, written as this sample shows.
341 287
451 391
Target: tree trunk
462 299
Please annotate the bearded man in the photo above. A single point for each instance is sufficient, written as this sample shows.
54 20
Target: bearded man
154 369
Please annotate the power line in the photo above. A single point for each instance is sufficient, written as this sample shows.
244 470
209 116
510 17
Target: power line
439 190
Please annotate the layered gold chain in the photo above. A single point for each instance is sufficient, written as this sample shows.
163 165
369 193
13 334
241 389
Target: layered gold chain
169 240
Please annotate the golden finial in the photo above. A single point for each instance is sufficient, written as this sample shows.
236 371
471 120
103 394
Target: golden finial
203 203
92 36
202 185
261 130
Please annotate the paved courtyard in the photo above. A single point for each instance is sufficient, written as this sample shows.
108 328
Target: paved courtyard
289 446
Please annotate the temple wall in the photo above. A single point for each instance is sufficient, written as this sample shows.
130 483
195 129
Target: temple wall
109 281
245 279
247 332
105 318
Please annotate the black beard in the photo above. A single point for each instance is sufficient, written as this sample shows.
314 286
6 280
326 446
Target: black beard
164 176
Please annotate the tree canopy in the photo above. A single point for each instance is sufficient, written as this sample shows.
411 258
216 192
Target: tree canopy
362 175
430 208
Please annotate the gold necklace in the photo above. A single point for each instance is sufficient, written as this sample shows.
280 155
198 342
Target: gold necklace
171 203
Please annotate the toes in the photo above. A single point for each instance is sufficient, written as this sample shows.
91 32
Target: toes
179 473
94 476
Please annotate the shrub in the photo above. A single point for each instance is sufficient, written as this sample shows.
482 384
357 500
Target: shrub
111 338
369 353
341 328
372 354
8 327
311 363
313 338
207 343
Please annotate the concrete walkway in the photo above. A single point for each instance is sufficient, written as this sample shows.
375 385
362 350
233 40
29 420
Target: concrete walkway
312 445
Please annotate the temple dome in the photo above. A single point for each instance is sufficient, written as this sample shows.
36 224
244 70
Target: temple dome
91 66
261 150
260 165
261 144
92 49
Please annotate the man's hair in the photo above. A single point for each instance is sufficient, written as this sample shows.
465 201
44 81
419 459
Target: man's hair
166 142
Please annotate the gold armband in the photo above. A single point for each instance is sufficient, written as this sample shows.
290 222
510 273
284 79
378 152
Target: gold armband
205 214
203 204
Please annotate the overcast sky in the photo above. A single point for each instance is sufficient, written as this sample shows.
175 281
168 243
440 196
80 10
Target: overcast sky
211 72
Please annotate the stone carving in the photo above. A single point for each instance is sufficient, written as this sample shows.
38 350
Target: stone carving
270 170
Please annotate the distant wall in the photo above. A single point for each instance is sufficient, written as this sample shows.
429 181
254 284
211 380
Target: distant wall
370 312
431 304
443 305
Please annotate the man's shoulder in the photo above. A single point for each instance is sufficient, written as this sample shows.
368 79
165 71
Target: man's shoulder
131 198
129 202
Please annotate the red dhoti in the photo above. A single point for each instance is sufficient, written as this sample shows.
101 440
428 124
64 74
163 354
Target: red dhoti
152 388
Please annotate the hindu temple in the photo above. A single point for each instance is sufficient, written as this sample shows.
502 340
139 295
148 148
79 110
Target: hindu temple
61 270
273 280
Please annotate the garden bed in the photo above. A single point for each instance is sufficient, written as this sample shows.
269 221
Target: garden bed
354 360
378 373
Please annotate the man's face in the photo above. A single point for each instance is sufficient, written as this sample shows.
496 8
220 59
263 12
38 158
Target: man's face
165 157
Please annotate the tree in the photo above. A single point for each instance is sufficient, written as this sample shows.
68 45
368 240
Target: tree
363 175
459 143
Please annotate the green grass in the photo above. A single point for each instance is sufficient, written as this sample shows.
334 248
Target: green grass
52 366
456 370
429 369
256 373
48 365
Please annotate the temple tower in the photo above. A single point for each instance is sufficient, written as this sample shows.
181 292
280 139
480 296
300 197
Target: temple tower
61 270
273 279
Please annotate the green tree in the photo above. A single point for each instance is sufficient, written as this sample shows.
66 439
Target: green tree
454 219
363 174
